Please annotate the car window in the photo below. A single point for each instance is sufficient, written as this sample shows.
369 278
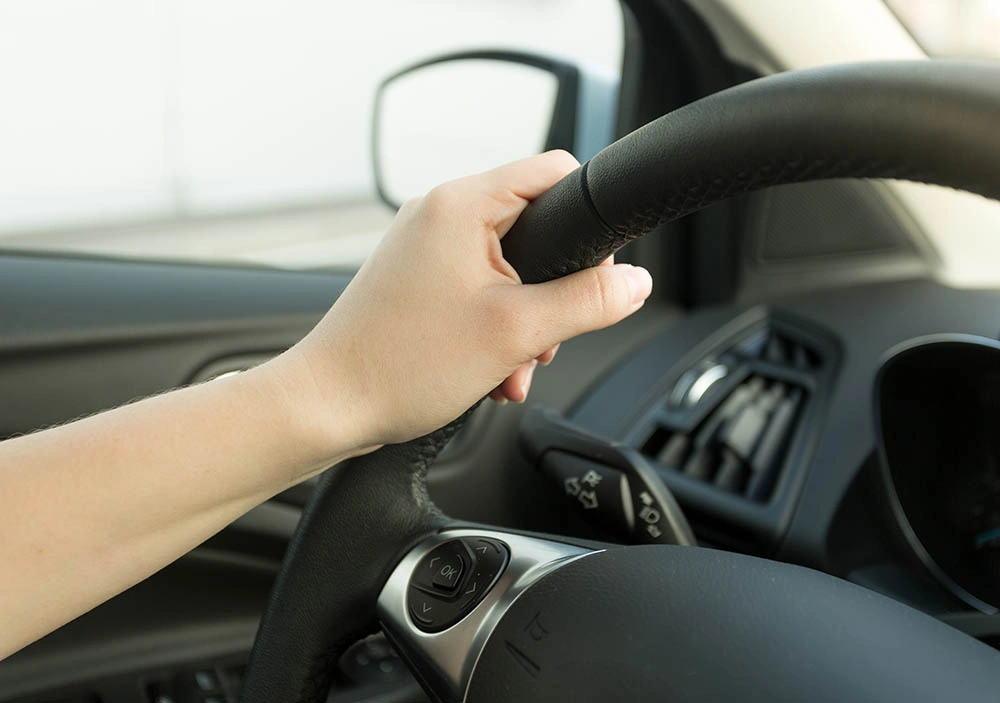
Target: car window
232 130
956 28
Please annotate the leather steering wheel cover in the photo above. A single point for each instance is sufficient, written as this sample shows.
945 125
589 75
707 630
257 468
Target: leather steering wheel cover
930 121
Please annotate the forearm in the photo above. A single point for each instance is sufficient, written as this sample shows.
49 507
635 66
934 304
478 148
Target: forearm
99 504
434 320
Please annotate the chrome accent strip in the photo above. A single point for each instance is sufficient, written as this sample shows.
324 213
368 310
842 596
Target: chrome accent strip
705 381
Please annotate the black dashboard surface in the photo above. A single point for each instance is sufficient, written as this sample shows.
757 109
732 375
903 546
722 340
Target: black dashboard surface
838 494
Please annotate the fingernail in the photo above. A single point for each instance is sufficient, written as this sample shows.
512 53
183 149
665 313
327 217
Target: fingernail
527 380
640 283
501 401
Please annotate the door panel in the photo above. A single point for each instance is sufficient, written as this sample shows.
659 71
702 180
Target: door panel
78 336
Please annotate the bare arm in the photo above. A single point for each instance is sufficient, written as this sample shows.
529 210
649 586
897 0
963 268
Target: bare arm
433 321
90 508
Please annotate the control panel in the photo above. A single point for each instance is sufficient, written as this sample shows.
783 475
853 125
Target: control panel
451 579
444 598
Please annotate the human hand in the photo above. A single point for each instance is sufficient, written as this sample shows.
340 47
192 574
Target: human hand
436 318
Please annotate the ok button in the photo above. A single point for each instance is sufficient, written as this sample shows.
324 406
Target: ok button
448 572
442 569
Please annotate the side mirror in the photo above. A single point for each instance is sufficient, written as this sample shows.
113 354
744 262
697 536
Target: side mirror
462 113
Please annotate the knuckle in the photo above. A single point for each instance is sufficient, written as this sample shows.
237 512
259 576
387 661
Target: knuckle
605 292
410 208
439 201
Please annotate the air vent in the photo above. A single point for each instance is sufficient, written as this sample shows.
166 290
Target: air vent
731 418
777 347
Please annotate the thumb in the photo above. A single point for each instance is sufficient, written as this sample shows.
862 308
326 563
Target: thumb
584 301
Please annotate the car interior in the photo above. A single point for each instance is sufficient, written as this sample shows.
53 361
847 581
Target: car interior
815 383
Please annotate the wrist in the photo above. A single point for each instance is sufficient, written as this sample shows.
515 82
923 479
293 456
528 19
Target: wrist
312 411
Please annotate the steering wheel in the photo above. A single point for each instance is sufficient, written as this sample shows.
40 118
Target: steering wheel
483 614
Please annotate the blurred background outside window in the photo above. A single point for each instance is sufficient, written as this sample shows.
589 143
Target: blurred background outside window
960 28
229 130
239 130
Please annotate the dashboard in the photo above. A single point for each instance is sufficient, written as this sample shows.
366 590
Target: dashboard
918 522
803 369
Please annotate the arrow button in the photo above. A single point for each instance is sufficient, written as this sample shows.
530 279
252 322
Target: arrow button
588 499
463 573
422 610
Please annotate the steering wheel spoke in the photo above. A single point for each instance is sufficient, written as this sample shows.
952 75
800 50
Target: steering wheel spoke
362 518
446 596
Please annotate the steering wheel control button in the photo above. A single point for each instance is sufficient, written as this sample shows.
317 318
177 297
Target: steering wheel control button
441 571
423 607
491 558
597 492
606 483
448 572
434 607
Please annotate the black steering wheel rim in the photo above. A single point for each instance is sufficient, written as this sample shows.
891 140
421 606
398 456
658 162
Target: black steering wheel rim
929 121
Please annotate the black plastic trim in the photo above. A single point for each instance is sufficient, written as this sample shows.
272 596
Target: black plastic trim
896 507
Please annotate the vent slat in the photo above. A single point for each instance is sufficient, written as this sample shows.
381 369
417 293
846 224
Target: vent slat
740 445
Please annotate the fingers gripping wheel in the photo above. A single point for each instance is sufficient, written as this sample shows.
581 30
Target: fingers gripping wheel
930 121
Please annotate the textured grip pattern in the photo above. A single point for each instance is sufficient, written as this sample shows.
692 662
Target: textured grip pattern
676 203
926 121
